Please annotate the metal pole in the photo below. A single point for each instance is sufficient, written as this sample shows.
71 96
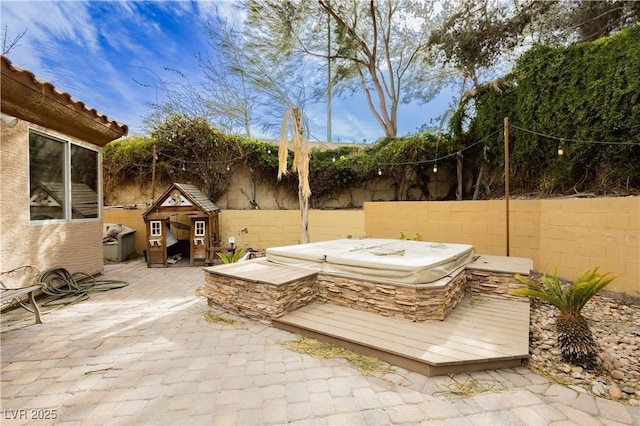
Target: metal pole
153 173
506 176
328 77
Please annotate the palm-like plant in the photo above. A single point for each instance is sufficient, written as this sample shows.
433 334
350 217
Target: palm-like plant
574 335
231 258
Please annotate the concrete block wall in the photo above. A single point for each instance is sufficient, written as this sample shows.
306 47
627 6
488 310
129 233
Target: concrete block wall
579 234
131 218
260 229
572 235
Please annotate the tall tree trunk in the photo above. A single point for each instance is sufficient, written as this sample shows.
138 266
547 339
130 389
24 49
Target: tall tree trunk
304 217
293 121
476 191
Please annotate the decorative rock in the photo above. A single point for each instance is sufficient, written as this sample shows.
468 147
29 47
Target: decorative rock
599 389
618 349
615 392
617 374
580 389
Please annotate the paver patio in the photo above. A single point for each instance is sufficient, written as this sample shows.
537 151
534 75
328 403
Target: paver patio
144 354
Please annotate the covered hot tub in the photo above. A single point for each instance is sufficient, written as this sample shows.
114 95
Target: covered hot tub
397 261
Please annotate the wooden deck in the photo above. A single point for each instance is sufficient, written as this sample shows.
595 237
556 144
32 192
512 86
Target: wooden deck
480 333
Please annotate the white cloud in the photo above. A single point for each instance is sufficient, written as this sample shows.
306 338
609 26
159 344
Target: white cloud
226 9
48 21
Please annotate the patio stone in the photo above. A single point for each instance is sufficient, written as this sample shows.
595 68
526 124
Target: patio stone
143 355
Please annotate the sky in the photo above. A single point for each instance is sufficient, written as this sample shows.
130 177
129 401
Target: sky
109 54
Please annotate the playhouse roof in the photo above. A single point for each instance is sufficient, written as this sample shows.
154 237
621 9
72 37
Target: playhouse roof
190 196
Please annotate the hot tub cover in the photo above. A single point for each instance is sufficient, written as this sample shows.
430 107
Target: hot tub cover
403 261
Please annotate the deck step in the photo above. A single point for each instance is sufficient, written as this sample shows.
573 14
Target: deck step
480 333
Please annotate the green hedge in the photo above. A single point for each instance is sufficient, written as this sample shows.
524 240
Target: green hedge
587 92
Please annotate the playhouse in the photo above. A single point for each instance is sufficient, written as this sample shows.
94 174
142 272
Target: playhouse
184 211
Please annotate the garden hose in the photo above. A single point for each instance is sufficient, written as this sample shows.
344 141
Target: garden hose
66 288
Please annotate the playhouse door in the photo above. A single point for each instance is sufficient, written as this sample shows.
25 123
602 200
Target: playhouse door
156 243
199 241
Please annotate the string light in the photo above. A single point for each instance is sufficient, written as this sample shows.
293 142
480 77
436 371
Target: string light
438 158
562 140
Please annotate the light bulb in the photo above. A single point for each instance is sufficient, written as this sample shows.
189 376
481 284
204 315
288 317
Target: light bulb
435 168
228 168
560 150
379 172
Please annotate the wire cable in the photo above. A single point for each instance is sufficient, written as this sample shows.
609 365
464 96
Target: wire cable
558 138
453 154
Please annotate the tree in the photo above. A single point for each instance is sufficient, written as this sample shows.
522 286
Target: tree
475 35
574 335
9 43
191 151
292 124
580 21
229 86
240 88
379 48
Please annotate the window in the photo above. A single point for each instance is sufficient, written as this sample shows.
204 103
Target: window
63 178
199 231
47 158
156 228
84 182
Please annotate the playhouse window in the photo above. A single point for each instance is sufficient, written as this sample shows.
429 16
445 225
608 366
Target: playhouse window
156 228
199 230
63 178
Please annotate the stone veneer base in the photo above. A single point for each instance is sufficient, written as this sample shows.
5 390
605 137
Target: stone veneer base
264 301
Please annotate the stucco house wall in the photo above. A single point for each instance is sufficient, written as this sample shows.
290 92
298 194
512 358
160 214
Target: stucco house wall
75 245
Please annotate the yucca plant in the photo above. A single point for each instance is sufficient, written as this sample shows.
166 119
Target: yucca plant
577 345
232 258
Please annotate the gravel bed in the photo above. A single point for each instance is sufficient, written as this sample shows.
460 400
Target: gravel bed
616 328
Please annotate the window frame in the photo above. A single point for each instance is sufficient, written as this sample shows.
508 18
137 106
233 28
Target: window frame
155 231
67 208
199 228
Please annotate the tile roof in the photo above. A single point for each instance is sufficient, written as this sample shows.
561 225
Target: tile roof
47 89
